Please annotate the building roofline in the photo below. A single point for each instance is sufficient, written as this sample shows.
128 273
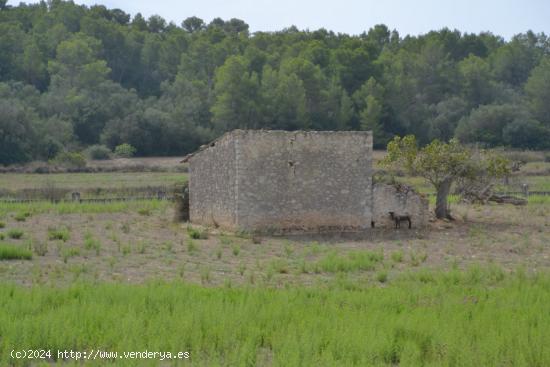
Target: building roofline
236 131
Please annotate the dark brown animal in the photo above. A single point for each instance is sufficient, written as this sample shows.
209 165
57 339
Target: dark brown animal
400 218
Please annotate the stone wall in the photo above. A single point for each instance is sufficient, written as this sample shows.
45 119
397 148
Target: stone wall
212 184
277 180
402 200
310 181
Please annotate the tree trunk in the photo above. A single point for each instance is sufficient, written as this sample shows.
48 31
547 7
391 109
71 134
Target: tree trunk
441 206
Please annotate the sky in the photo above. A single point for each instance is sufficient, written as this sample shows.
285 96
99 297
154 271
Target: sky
501 17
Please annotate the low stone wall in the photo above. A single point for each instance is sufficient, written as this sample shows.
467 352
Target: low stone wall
402 200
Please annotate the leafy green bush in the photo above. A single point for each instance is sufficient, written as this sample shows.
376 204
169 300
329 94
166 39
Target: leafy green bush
22 216
197 234
98 152
58 234
2 224
15 233
397 256
69 160
382 276
125 150
12 252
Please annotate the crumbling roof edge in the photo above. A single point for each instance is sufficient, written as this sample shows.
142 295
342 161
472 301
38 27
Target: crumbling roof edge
204 147
232 132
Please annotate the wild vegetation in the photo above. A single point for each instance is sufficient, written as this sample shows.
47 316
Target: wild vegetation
475 318
73 76
443 164
88 88
410 297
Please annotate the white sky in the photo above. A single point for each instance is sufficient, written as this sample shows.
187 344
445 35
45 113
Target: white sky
501 17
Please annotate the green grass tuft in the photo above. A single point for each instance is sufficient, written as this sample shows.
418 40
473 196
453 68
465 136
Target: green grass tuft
353 261
13 252
197 234
15 233
58 234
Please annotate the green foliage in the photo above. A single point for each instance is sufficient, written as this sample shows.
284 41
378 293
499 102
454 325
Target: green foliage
82 208
98 152
61 234
125 150
21 216
15 233
91 243
397 256
382 276
441 164
191 246
537 90
75 76
425 318
71 160
508 124
354 261
197 234
13 252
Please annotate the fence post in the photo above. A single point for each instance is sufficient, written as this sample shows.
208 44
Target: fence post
525 188
76 196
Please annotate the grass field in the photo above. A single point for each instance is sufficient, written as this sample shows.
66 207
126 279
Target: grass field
473 318
122 277
24 210
83 181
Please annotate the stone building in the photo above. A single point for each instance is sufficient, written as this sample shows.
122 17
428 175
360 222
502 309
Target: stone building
284 181
279 180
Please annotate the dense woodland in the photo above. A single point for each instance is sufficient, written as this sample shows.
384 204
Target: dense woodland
72 76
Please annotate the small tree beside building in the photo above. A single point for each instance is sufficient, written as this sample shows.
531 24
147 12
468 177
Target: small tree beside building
443 164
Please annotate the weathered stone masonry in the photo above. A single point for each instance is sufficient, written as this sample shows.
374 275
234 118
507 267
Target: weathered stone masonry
262 180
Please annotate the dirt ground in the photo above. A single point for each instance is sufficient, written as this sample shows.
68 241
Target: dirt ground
132 247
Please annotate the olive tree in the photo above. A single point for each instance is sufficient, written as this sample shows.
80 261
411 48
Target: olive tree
442 163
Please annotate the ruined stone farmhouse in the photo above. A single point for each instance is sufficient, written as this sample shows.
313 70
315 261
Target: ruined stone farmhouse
291 181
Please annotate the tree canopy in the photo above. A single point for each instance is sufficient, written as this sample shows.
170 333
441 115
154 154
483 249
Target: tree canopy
441 164
73 76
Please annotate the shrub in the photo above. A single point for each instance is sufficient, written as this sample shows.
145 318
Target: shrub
12 252
69 252
21 217
15 233
197 234
382 276
98 152
58 234
90 243
70 160
2 236
125 151
2 225
397 256
236 250
144 211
